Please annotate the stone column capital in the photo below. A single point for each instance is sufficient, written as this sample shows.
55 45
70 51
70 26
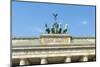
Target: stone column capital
23 61
43 60
85 58
68 59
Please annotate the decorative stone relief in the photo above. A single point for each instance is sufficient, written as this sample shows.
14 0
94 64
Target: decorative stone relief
55 39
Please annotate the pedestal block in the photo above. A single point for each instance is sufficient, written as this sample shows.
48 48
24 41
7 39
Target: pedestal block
51 39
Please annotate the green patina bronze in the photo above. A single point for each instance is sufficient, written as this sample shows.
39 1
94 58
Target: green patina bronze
56 28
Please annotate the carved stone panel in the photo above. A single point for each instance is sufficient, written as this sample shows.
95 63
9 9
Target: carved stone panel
52 39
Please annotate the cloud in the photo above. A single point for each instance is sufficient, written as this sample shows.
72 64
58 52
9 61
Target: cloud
84 22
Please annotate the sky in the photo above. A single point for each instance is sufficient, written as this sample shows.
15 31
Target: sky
29 18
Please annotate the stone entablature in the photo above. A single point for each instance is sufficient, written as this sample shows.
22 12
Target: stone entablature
51 39
52 52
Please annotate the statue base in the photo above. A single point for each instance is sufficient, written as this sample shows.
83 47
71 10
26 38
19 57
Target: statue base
55 39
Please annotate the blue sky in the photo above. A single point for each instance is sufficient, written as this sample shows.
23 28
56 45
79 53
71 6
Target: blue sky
29 19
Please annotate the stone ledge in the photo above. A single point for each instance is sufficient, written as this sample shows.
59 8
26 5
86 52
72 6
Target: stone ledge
56 47
62 54
55 35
